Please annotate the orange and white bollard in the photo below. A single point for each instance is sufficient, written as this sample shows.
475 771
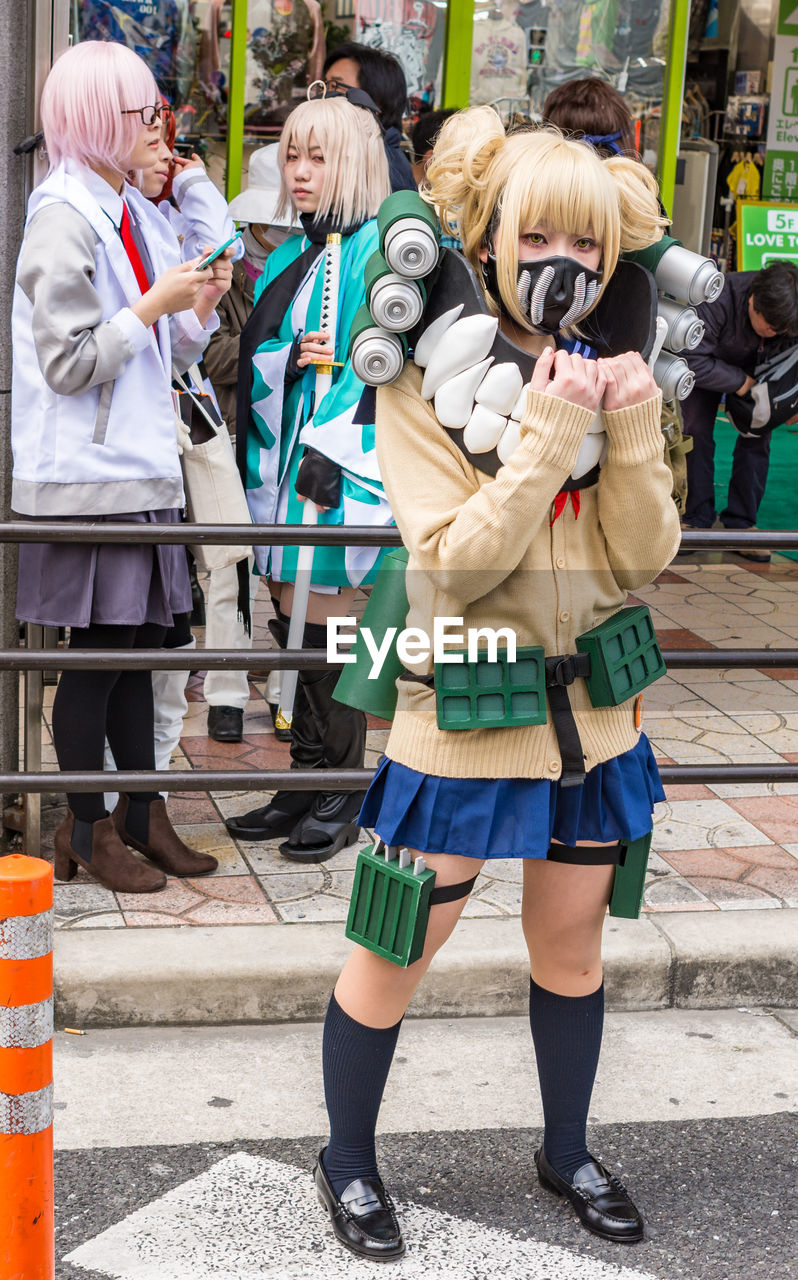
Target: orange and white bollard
27 1249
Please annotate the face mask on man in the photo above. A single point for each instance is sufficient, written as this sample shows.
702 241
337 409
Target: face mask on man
553 293
276 235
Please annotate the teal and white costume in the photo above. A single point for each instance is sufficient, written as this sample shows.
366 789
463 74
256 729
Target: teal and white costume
284 419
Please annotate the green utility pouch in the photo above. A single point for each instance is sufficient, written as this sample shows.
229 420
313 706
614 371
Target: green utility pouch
391 900
624 656
492 695
389 908
630 879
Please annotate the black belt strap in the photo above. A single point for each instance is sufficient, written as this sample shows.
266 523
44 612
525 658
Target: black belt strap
587 855
561 672
451 892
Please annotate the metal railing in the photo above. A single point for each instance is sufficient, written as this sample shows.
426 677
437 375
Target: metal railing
31 781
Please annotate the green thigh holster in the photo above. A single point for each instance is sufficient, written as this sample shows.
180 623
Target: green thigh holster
391 900
630 878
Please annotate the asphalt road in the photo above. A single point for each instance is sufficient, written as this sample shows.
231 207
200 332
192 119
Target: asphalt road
718 1191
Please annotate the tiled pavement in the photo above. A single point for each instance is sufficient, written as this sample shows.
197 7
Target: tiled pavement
716 847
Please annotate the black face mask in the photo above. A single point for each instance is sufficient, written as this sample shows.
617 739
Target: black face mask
552 292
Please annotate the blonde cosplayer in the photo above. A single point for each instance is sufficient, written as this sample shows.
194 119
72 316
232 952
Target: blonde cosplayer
356 170
489 188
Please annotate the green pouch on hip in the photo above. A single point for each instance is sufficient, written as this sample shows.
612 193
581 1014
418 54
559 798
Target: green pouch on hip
630 878
489 694
624 656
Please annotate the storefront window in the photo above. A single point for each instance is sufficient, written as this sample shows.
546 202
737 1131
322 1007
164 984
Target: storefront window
186 44
523 51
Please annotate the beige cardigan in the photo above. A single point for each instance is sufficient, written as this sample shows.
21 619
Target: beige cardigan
483 548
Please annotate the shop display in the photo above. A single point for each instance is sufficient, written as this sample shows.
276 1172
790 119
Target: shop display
413 30
499 55
285 53
161 32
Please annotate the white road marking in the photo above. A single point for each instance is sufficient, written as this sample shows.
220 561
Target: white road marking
249 1218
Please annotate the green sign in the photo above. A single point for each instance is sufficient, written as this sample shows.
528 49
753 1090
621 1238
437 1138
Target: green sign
766 233
788 18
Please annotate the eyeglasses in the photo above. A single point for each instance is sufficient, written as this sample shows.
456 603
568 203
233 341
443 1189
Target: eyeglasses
149 115
334 85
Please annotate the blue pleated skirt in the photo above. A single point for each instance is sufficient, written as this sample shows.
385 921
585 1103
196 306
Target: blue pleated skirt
513 817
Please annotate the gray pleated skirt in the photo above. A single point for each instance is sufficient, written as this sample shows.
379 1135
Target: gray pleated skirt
73 584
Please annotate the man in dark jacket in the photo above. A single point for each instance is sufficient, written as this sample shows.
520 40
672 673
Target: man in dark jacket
755 317
380 75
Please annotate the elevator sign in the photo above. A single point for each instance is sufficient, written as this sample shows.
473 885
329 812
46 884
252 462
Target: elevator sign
781 162
766 233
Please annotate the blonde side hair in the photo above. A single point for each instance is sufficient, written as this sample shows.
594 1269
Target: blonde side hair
356 169
489 188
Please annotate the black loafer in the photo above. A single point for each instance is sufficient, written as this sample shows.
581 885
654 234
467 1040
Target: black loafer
600 1200
363 1217
225 724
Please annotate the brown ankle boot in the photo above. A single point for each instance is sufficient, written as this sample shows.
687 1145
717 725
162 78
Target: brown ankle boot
164 846
111 863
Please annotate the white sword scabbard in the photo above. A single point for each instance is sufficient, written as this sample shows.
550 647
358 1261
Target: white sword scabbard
328 323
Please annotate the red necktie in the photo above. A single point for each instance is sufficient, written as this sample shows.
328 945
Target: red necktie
132 252
561 502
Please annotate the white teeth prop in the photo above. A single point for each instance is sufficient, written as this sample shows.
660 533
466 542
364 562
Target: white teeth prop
584 296
589 454
431 337
509 441
466 342
484 429
500 388
519 408
454 398
538 300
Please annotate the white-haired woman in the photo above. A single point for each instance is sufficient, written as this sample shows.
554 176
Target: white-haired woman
295 449
548 549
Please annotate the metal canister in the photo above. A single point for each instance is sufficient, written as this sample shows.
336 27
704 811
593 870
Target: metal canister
411 248
685 329
674 376
688 277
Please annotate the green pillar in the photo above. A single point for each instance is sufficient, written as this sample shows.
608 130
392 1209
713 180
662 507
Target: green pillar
673 97
457 55
235 100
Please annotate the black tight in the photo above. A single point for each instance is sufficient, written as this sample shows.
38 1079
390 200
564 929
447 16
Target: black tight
92 705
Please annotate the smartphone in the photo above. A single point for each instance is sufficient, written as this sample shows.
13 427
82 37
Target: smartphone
206 262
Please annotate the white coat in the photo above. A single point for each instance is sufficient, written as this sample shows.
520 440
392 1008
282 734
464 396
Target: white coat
92 418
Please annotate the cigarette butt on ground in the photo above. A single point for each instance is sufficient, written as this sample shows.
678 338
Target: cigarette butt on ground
70 1031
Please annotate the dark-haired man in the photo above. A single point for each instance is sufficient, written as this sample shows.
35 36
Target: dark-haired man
380 75
754 318
423 137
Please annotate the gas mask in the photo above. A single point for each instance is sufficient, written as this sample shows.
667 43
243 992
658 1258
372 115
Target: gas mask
553 293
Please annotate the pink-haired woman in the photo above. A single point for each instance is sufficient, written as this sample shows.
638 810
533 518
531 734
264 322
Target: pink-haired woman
103 308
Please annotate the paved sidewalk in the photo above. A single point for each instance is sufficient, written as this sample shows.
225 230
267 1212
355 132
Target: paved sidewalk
726 854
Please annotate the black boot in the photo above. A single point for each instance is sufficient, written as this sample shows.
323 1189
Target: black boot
284 810
330 825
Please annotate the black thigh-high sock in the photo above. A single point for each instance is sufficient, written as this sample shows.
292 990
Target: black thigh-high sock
80 712
131 731
566 1031
356 1061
